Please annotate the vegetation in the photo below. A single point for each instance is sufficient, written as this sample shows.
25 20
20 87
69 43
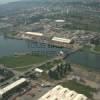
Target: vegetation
59 71
6 74
80 88
46 66
22 68
86 48
22 60
49 65
97 48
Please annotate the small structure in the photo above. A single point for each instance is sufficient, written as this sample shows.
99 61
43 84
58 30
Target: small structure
38 70
61 93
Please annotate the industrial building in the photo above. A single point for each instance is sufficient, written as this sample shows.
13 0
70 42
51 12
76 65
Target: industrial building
61 40
59 21
64 42
34 33
7 90
61 93
31 35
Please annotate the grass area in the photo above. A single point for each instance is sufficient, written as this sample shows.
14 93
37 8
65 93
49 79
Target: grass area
86 48
97 48
80 88
46 66
22 69
22 60
49 65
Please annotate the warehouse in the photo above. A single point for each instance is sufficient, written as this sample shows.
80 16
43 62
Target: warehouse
80 97
60 21
33 33
8 89
62 40
36 36
61 93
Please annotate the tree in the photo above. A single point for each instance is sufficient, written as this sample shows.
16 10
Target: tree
58 68
50 73
69 68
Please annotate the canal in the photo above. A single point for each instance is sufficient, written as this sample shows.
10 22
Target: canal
13 46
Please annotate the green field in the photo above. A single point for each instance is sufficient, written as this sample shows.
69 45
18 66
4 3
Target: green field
22 60
86 48
80 88
97 48
49 65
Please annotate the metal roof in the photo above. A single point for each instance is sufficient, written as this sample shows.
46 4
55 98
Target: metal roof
60 21
61 93
11 86
63 40
80 97
34 33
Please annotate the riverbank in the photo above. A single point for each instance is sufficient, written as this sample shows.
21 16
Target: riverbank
22 62
93 49
10 47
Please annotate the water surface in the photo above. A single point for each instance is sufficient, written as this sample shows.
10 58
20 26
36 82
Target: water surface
13 46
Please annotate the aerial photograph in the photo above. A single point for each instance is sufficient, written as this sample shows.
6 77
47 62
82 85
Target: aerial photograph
49 49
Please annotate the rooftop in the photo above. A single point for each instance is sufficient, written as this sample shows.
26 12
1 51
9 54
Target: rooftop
11 86
61 93
34 33
38 70
60 21
63 40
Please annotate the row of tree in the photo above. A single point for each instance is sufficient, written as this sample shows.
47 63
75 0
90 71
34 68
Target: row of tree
60 71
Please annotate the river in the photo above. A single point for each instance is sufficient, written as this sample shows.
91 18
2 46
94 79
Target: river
13 46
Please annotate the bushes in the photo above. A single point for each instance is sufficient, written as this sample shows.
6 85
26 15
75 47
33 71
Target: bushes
59 71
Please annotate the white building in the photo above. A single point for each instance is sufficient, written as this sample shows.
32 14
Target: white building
61 93
34 33
61 40
38 70
59 21
11 86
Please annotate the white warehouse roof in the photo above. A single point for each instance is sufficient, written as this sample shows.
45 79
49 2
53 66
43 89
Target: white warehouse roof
60 21
34 33
11 86
63 40
80 97
61 93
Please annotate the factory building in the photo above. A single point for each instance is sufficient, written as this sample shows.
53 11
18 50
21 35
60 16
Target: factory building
32 35
59 21
10 89
61 93
61 41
